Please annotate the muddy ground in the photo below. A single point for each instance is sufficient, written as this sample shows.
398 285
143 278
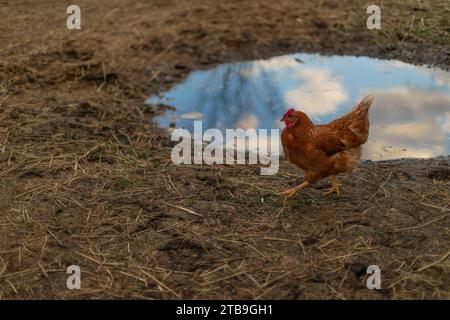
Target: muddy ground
86 177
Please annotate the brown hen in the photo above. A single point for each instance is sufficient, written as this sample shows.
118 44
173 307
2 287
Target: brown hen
325 150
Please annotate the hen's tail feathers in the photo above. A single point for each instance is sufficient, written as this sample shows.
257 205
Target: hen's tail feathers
365 103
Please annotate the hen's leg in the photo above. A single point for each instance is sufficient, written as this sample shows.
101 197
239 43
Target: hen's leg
289 193
334 188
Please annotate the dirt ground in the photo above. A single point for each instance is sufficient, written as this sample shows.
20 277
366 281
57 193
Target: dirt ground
86 177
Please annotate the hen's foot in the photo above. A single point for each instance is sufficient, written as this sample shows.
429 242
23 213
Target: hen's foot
291 192
334 188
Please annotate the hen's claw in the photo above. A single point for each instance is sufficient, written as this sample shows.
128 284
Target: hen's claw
288 193
334 188
291 192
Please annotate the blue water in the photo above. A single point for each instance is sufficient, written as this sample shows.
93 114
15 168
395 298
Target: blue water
409 118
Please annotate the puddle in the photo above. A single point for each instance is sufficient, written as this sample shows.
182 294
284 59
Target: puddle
409 118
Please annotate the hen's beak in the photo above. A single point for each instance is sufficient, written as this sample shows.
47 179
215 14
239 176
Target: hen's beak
282 119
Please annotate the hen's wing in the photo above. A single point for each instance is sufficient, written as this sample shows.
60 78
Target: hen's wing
349 131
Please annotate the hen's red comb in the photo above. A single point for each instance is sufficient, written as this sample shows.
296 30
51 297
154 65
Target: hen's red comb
289 112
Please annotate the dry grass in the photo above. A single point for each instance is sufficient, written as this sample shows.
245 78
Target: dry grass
86 177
